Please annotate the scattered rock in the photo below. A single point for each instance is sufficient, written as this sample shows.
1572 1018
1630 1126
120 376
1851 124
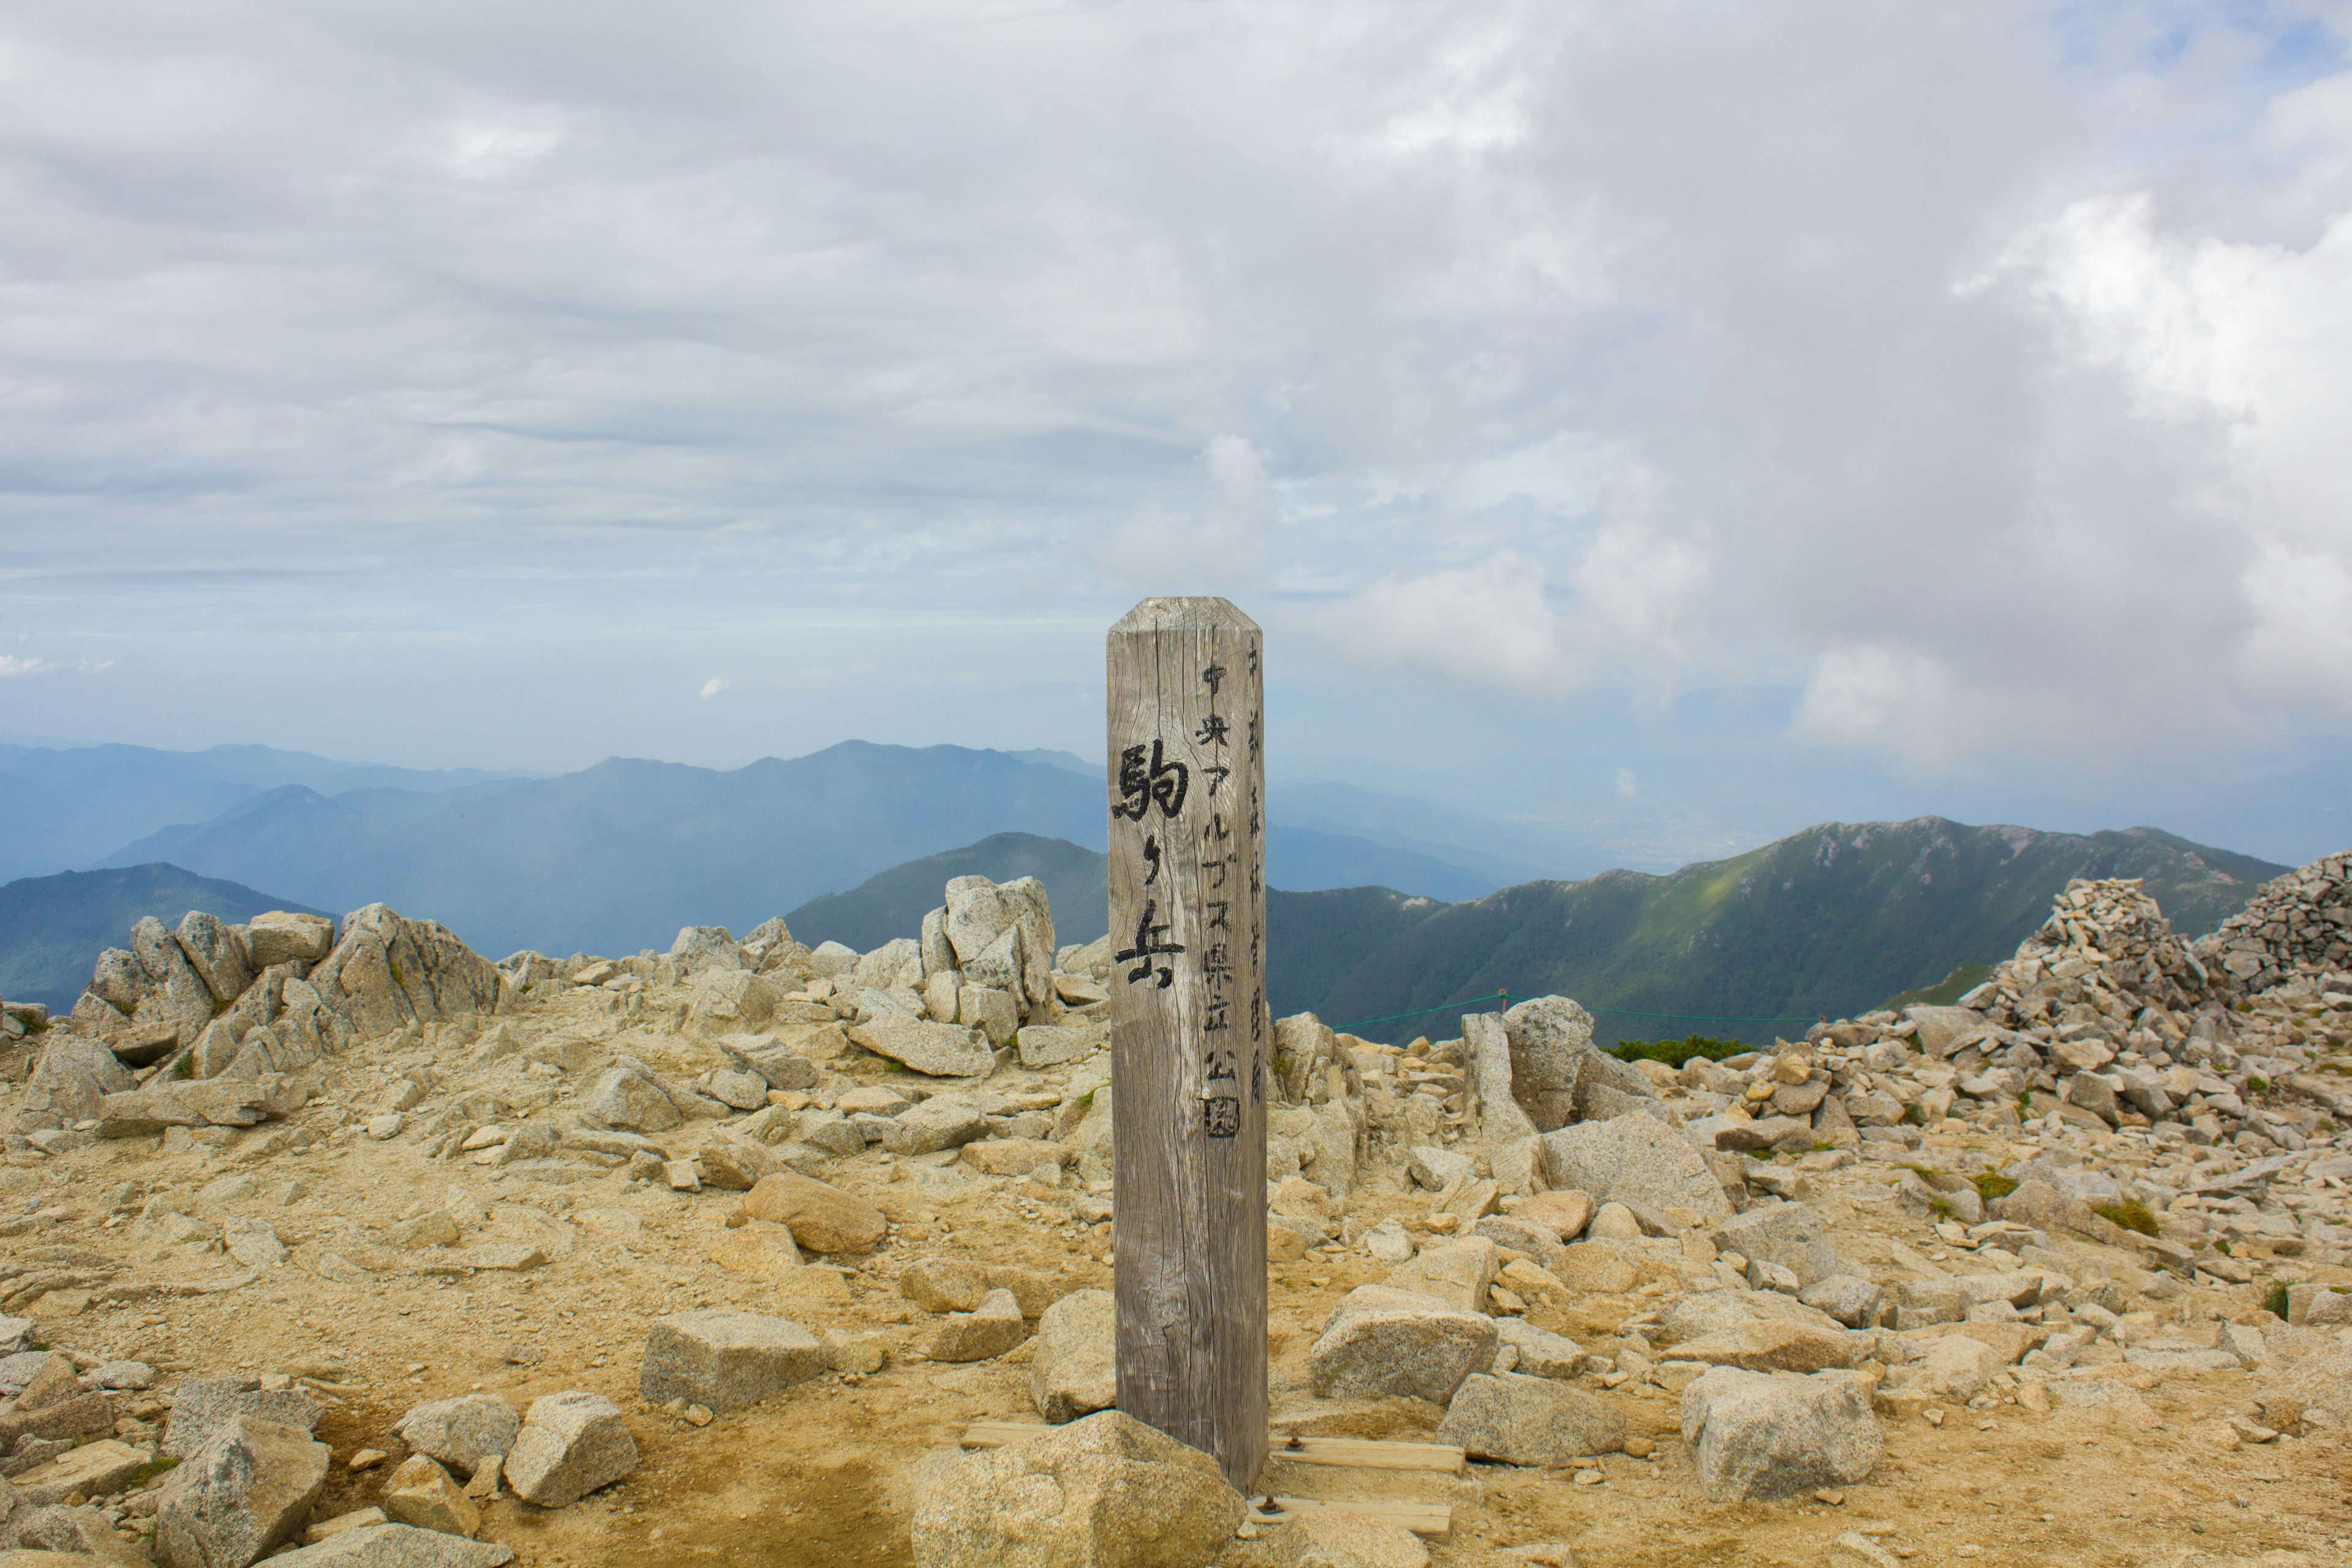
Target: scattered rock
725 1358
1073 1368
1522 1420
1105 1490
247 1490
821 1217
1633 1157
462 1432
570 1444
1382 1341
397 1546
1753 1435
1333 1540
421 1493
986 1331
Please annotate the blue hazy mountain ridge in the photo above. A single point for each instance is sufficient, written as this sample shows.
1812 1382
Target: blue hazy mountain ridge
65 808
52 929
892 903
616 857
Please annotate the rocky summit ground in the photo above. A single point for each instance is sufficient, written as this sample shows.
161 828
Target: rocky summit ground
342 1243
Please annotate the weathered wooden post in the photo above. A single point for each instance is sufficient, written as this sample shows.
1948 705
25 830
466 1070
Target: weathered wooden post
1190 1036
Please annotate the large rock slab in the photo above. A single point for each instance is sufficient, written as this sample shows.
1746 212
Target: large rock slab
937 1050
1548 1037
1002 936
987 1331
1106 1491
1524 1420
1381 1341
280 936
821 1216
726 1359
1335 1540
1763 1346
1633 1159
248 1489
388 971
462 1432
631 1101
571 1444
772 1059
203 1407
1789 1233
934 1125
421 1493
395 1546
1754 1436
1502 1115
182 1102
74 1077
173 995
217 955
1074 1364
1050 1045
1457 1273
1943 1030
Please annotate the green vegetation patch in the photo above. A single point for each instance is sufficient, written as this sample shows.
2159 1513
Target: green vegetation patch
1989 1186
1674 1053
1945 992
2131 1215
2274 1300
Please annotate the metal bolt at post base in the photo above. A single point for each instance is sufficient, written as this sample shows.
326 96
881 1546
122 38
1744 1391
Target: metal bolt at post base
1189 1035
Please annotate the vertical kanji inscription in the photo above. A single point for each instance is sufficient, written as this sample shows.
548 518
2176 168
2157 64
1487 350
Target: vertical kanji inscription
1189 1031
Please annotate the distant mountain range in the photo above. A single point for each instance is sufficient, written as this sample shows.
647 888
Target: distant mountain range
52 929
1827 922
894 903
64 809
615 858
1823 924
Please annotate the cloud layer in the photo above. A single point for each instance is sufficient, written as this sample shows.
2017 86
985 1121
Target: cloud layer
1975 372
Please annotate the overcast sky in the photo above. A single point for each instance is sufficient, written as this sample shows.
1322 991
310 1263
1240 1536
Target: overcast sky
1741 415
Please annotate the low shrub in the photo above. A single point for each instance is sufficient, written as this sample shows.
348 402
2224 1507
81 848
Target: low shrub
1674 1053
2131 1215
2274 1300
1989 1186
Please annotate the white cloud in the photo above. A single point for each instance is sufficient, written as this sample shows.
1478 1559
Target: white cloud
714 685
1482 625
13 665
1532 349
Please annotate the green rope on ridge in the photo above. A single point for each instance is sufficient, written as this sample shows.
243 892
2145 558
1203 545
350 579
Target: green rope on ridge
1614 1012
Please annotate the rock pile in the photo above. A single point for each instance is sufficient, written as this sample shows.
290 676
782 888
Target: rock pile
2298 927
588 1221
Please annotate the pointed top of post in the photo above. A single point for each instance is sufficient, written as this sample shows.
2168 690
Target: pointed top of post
1184 614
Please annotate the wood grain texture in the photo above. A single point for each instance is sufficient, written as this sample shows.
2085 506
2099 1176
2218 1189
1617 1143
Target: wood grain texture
1189 1035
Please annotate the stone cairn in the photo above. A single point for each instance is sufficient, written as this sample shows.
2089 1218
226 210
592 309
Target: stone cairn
2297 928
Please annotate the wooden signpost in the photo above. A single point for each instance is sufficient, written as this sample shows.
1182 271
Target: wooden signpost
1189 1035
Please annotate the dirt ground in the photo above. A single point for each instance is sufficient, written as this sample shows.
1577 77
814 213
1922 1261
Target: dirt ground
821 1476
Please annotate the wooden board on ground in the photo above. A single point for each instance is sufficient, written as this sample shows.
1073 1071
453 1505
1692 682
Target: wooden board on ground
1421 1518
1354 1453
